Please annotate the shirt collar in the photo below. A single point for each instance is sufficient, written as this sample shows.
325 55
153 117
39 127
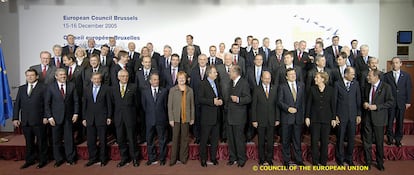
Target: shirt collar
376 84
236 80
210 80
34 83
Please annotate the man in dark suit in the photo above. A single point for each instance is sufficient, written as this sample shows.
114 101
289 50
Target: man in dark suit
164 62
338 72
62 109
348 112
97 112
125 100
196 48
312 52
320 67
46 72
238 59
105 58
56 60
70 48
265 51
212 59
361 62
95 66
154 103
133 56
264 114
143 74
237 114
400 82
377 100
276 59
210 100
155 56
252 54
189 62
169 76
334 49
362 79
280 74
301 57
91 48
330 59
242 50
354 53
291 102
122 65
111 46
29 105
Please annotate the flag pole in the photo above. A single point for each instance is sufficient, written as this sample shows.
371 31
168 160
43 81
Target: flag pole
2 139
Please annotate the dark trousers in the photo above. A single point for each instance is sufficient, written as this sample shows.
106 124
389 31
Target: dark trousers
180 138
237 143
213 132
346 129
160 130
249 129
93 133
63 133
265 137
320 133
141 131
291 133
127 141
370 131
398 115
38 133
197 122
223 126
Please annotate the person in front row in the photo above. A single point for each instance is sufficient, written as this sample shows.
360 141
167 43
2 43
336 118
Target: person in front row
181 115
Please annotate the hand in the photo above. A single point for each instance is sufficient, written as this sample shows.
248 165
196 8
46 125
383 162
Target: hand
108 121
407 106
52 121
45 121
216 101
254 124
84 123
277 123
333 123
372 107
191 122
16 123
220 102
358 120
365 105
292 110
172 123
337 120
307 122
234 99
74 118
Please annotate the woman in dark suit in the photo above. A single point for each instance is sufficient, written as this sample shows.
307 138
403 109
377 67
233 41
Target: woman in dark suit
320 114
180 115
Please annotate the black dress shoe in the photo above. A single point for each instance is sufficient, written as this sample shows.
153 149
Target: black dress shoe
58 163
224 140
340 163
389 142
270 162
398 144
203 163
241 165
381 167
71 162
122 163
149 162
26 165
90 163
261 162
368 165
215 162
41 165
162 162
286 164
300 164
230 162
197 141
103 163
135 163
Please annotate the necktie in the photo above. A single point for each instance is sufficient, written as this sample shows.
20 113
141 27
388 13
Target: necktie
255 53
300 55
124 67
94 70
336 51
146 75
355 53
166 63
190 59
396 77
173 76
122 91
227 69
202 74
257 76
235 60
212 61
95 93
267 53
130 54
62 90
348 85
267 91
71 49
215 89
44 71
372 94
293 89
366 60
70 73
30 90
154 95
103 60
57 62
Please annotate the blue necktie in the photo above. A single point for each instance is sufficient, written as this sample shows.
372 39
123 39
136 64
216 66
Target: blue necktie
257 76
215 89
95 93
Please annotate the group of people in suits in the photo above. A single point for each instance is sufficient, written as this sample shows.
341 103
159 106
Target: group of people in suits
144 97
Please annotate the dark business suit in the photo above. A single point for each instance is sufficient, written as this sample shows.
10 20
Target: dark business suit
62 110
138 65
250 58
66 50
330 60
304 62
141 80
108 61
96 112
264 112
348 106
274 63
361 65
76 79
87 75
224 80
363 80
167 79
267 53
114 74
164 63
401 92
50 74
330 50
374 121
321 110
133 58
195 85
280 75
236 118
217 61
291 124
53 62
210 118
197 51
352 57
310 78
125 120
156 120
30 108
187 66
90 52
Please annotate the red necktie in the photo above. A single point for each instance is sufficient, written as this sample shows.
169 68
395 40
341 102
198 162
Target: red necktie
125 67
372 94
62 91
300 56
173 76
58 62
190 59
235 60
70 73
336 51
44 71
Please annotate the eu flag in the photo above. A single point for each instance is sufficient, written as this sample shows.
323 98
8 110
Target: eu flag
6 109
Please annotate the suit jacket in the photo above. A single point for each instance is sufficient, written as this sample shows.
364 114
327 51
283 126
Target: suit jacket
401 90
138 64
274 63
250 58
114 74
87 74
166 78
96 113
188 66
108 61
94 51
162 64
330 50
195 81
66 50
383 99
362 79
237 112
133 60
279 76
174 104
58 107
242 63
140 78
264 110
224 80
197 51
285 100
156 112
310 78
330 60
305 63
77 79
348 102
125 109
30 108
50 74
360 65
217 61
251 77
262 50
352 58
321 106
210 113
53 63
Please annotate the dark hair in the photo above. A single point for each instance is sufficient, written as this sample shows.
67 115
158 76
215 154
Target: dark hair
237 38
347 69
104 45
191 36
343 55
208 69
288 70
353 41
175 55
237 69
122 53
320 43
32 70
376 73
288 53
153 74
70 57
336 36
